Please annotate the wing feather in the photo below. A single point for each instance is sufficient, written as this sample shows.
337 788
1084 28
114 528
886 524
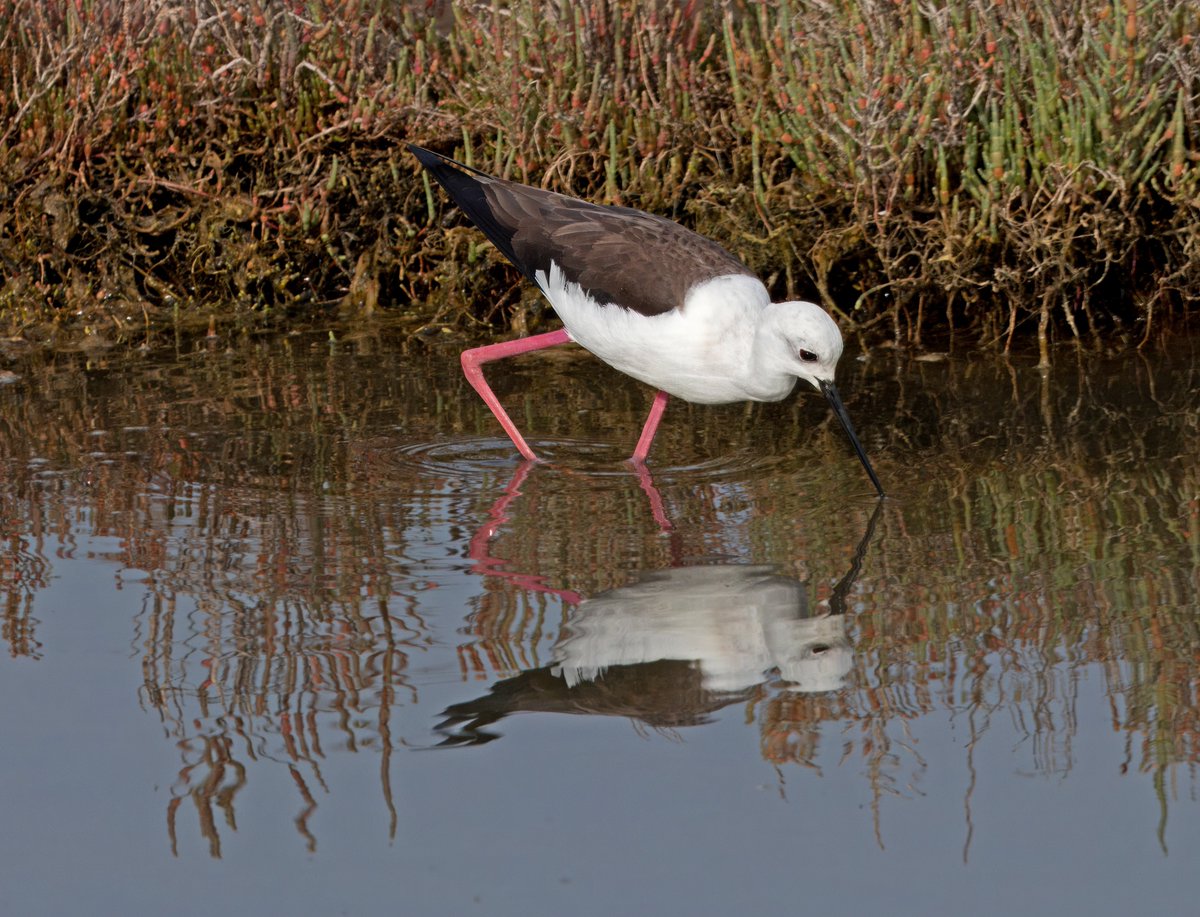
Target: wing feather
618 255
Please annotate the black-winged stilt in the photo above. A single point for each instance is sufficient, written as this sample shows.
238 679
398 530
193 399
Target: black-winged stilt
648 297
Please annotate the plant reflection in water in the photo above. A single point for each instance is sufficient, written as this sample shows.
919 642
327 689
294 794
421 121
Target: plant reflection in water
303 584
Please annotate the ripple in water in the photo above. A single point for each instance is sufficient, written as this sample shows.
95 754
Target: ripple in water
479 457
483 457
466 464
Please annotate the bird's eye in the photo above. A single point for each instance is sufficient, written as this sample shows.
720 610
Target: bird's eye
808 356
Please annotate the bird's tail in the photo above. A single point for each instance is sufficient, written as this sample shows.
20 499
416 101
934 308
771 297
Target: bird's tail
467 188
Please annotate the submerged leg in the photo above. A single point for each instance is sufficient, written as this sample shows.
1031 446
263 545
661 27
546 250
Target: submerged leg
651 427
472 364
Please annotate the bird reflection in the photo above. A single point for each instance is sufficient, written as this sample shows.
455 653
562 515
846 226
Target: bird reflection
676 646
731 622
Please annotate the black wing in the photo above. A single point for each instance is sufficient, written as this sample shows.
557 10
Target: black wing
618 255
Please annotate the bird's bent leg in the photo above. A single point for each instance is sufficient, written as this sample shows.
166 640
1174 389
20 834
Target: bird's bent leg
472 364
656 412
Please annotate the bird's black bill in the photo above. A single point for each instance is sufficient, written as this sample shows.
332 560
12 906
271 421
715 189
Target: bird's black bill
829 390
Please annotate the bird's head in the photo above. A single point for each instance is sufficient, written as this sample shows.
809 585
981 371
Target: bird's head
804 340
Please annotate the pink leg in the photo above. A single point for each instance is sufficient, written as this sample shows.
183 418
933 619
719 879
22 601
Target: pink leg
651 427
472 364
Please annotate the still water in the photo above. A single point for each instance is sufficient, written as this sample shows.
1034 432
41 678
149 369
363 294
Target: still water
291 629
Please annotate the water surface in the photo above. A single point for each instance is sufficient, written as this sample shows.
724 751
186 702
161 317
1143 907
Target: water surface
291 629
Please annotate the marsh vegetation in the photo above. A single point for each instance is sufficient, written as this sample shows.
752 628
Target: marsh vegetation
1025 169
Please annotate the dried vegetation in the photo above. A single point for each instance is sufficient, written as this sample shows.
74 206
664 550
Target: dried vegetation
1016 168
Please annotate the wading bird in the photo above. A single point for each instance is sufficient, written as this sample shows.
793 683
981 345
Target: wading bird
648 297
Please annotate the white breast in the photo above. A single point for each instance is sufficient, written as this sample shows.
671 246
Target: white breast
700 353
